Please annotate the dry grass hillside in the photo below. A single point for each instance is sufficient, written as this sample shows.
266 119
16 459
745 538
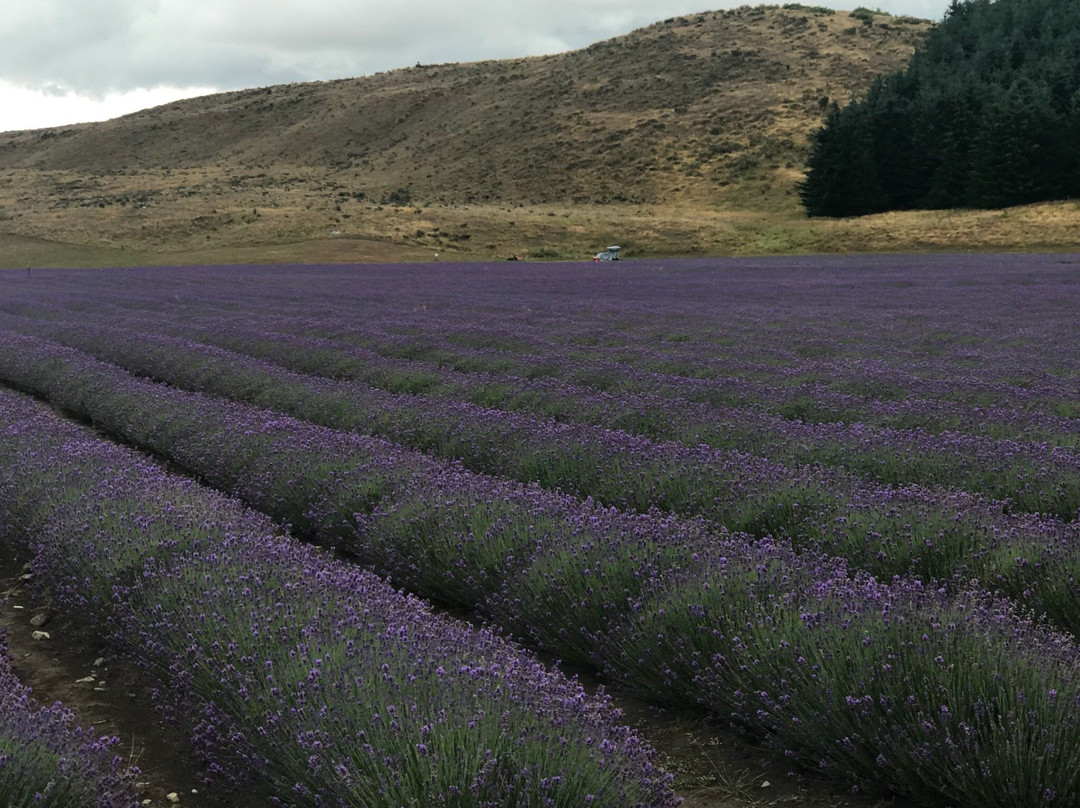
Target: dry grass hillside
686 136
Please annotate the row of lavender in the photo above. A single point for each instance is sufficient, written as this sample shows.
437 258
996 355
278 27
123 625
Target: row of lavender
934 695
859 390
924 392
47 761
933 534
944 330
761 391
1028 476
731 371
309 681
1032 476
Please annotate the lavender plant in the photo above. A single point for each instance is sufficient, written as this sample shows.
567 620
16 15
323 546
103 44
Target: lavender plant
888 687
1029 476
934 374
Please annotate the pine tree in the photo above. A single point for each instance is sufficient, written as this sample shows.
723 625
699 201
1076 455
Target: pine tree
986 114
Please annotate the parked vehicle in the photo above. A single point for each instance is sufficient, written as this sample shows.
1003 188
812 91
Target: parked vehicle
610 254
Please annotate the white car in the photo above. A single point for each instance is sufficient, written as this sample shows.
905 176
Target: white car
610 254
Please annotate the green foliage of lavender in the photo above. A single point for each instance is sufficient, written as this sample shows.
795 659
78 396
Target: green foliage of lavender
943 698
586 572
313 678
1021 472
973 344
1024 474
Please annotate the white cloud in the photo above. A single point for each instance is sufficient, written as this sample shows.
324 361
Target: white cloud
22 108
923 9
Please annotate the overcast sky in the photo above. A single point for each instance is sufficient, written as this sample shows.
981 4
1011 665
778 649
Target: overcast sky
69 61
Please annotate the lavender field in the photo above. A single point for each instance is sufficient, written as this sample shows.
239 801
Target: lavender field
832 502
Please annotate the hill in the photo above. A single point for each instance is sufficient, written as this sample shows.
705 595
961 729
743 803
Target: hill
686 136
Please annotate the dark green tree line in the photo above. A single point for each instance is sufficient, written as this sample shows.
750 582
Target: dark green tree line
986 114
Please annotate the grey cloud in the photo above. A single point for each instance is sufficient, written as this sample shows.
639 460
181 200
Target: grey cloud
96 46
54 91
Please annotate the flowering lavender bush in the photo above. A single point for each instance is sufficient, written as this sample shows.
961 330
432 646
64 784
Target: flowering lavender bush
45 760
971 343
890 709
745 604
1029 476
582 577
891 687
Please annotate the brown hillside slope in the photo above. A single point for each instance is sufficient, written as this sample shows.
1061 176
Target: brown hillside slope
666 139
695 106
